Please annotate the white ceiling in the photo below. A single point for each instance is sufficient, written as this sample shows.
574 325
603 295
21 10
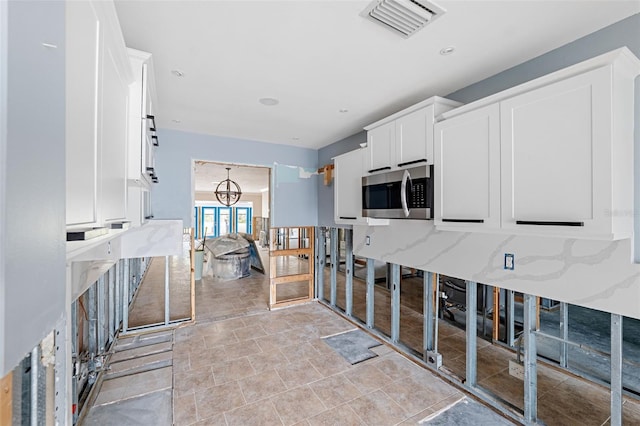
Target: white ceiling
251 179
317 57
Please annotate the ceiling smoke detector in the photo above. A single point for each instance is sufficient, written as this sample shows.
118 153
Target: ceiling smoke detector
404 17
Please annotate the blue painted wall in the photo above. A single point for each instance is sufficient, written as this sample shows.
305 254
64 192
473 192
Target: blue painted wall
294 196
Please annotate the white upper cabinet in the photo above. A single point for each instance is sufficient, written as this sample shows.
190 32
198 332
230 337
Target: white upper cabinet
348 186
380 148
566 154
558 153
414 138
98 75
467 170
83 78
404 139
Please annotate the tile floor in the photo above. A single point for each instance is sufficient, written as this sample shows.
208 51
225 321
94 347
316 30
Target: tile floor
274 368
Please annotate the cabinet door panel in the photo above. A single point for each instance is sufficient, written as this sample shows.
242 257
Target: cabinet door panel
348 186
552 142
380 142
411 137
114 141
467 169
83 61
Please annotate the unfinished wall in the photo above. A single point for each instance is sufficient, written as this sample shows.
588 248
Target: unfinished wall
294 200
33 175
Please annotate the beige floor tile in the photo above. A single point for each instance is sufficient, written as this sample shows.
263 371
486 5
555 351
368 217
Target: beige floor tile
261 386
367 377
330 364
335 390
339 416
220 338
267 360
298 373
217 420
299 351
260 413
184 410
377 408
249 332
297 404
396 366
192 381
224 372
207 358
218 399
246 348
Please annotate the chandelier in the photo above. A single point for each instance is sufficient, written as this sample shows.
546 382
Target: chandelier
228 192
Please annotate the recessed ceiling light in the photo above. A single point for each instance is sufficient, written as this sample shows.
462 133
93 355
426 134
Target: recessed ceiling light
269 101
176 120
177 73
343 110
447 50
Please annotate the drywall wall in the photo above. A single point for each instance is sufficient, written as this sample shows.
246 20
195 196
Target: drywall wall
294 200
595 274
325 192
34 177
4 12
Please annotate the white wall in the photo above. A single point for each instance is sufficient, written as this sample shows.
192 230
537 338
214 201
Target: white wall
33 173
265 204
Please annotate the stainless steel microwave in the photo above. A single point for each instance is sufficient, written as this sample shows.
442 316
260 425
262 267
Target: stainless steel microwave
399 194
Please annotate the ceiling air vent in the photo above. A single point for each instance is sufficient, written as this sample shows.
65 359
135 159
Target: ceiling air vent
404 17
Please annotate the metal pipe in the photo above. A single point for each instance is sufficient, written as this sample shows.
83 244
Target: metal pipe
125 296
472 334
33 388
564 333
371 279
427 309
530 360
334 265
437 314
348 236
395 302
322 257
166 290
616 370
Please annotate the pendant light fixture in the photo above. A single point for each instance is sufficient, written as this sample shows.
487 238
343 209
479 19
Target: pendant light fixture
228 192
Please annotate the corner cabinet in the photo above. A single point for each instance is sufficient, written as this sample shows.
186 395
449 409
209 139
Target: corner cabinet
347 190
405 138
566 154
467 170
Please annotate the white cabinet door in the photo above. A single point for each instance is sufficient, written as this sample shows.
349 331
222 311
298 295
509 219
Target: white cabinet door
556 156
381 148
347 186
83 64
413 144
114 140
467 170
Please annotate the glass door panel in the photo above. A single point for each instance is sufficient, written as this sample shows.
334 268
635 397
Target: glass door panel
243 219
224 221
196 223
209 221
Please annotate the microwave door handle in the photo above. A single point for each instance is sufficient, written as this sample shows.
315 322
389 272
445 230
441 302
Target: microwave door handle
403 193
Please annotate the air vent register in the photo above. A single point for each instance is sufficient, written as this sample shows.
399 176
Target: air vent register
404 17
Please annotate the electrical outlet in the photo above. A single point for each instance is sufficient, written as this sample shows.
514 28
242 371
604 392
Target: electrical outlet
368 240
509 261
